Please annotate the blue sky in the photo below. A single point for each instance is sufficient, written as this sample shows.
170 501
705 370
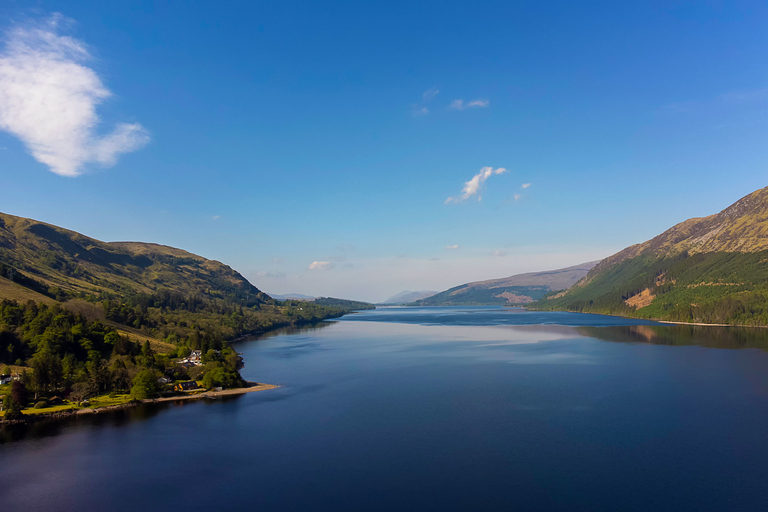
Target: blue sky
314 147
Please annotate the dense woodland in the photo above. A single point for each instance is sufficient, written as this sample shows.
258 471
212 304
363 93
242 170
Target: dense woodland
65 354
718 287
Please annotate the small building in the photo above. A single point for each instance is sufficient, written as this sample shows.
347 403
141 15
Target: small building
5 379
164 380
186 386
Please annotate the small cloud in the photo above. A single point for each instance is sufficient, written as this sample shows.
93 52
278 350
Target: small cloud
462 105
451 247
419 111
274 275
277 260
499 253
473 186
431 93
517 197
526 185
48 100
216 217
321 265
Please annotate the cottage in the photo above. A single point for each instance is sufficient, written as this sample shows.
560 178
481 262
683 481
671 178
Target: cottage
164 380
186 386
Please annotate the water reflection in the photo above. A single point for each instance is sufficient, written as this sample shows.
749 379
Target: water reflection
681 335
288 331
55 426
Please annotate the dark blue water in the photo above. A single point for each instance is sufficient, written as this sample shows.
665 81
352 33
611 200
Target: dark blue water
434 409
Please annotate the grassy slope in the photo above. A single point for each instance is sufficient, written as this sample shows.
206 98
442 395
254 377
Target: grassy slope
711 270
55 263
59 258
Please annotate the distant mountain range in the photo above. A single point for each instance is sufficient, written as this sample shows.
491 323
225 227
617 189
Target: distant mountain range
513 290
407 296
711 270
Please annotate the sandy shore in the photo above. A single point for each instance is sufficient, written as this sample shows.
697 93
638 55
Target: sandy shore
252 387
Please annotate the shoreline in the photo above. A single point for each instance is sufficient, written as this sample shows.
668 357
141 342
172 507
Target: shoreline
647 319
250 387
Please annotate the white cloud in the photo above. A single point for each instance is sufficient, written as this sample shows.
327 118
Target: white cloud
216 217
461 104
517 197
451 247
274 275
418 111
526 185
321 265
277 260
473 186
499 253
48 99
431 93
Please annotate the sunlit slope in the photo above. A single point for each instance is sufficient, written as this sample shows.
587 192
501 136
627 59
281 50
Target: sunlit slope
712 269
57 258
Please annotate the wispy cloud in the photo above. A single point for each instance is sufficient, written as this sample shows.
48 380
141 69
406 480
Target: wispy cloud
474 186
216 217
526 185
499 253
277 260
462 105
451 247
517 197
273 275
48 99
430 94
321 265
420 109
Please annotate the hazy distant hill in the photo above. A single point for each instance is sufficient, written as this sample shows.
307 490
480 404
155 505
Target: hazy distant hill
407 296
291 296
712 269
517 289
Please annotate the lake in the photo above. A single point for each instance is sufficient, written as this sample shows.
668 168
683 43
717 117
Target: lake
474 408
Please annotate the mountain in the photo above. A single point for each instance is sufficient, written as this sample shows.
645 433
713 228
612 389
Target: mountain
407 296
161 293
709 270
517 289
61 262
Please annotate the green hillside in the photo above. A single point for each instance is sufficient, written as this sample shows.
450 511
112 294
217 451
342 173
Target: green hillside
145 291
708 270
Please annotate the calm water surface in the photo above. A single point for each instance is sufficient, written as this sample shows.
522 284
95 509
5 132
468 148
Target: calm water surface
434 409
